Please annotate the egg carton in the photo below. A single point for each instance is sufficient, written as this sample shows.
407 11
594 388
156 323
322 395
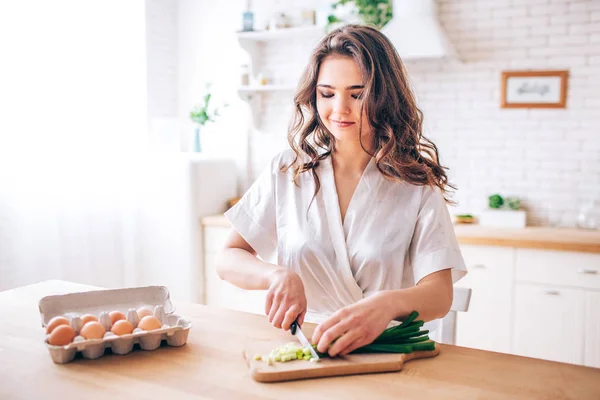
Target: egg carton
174 330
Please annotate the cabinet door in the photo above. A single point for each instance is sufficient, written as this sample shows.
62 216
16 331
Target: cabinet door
591 357
549 323
486 325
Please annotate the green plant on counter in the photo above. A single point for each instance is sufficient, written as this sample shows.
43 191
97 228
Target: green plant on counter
373 12
514 203
495 201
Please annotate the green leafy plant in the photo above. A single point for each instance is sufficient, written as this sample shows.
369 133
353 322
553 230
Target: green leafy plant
373 12
203 113
495 201
514 203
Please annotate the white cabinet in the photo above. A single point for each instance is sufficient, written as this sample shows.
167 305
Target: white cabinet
536 303
220 293
591 356
549 322
486 325
557 300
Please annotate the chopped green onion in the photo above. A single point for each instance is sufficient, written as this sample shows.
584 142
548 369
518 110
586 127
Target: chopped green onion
403 338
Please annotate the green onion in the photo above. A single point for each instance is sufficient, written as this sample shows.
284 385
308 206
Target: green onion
405 337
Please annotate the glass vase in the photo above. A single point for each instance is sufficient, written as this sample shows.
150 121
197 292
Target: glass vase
197 148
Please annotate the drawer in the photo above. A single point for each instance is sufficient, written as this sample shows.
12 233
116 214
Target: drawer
563 268
214 238
494 262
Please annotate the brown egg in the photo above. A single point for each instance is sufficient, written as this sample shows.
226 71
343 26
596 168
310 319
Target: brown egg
149 323
88 318
93 330
143 312
116 316
61 335
122 327
54 322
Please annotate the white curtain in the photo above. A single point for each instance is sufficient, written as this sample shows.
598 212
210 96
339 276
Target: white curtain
81 196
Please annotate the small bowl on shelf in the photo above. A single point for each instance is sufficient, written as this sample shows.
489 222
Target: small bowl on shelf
464 219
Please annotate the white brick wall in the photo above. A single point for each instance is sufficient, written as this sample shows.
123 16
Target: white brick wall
161 53
550 158
162 74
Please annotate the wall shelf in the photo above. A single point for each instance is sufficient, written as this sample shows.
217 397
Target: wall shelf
302 31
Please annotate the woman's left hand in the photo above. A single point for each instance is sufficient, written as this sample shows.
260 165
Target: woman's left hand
353 326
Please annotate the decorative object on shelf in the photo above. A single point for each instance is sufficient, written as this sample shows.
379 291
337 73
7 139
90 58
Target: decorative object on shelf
202 114
279 21
308 18
244 74
372 12
534 89
503 213
248 18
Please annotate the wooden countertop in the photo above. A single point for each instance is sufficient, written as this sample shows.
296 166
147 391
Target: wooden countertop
211 366
533 237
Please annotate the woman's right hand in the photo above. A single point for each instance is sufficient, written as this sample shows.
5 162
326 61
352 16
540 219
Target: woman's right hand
286 299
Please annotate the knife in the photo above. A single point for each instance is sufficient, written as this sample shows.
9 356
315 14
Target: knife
295 329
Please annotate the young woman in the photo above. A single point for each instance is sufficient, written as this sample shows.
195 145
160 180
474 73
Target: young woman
350 225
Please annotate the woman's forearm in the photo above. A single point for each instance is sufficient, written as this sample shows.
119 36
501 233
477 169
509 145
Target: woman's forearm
243 269
431 298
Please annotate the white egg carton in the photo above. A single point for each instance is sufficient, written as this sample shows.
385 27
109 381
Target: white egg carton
174 330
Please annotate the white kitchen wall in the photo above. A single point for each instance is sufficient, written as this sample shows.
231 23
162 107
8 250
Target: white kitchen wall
161 53
208 52
550 158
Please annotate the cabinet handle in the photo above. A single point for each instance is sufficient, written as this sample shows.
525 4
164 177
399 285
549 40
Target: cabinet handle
587 271
552 292
478 266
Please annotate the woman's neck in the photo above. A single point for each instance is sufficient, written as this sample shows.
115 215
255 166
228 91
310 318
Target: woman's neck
350 158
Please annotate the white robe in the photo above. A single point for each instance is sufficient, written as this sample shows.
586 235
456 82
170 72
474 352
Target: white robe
393 235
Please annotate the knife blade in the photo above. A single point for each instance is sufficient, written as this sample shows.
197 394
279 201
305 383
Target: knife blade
296 331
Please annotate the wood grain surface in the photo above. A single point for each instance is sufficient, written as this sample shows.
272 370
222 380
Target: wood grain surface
211 365
352 364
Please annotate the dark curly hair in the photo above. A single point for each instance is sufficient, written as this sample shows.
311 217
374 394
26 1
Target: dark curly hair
402 153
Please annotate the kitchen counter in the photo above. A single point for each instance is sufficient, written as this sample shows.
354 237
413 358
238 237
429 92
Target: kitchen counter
211 366
565 239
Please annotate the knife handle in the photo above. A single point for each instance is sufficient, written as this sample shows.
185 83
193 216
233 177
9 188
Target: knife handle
293 327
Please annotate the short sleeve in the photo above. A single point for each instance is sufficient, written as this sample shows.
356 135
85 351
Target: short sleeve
434 246
254 215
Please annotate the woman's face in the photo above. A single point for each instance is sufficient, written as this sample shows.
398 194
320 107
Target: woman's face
339 94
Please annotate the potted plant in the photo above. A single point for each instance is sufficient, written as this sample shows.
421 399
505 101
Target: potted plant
373 12
201 114
503 213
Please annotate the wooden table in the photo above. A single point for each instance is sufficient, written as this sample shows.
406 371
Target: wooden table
211 366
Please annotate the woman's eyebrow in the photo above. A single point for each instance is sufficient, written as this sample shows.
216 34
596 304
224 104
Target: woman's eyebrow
353 87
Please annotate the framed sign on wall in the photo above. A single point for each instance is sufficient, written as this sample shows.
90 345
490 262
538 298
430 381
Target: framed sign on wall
534 89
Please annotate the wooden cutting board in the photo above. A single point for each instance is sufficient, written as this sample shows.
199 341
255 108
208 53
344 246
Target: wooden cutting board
351 364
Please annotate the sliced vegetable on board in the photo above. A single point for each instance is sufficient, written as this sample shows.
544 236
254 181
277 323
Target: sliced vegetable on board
403 338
